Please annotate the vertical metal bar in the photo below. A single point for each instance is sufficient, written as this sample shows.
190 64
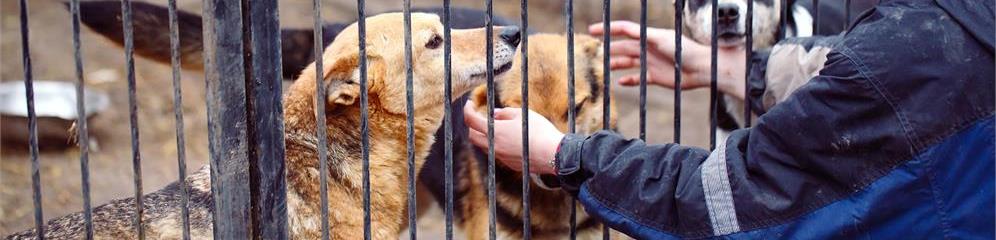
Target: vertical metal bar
447 120
713 101
606 80
679 11
606 70
320 118
750 51
181 153
527 230
489 49
82 134
816 17
263 87
136 153
847 13
224 71
364 114
643 70
410 110
29 95
571 115
783 19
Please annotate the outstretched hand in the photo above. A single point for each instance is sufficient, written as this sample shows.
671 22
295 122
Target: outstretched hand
696 59
544 138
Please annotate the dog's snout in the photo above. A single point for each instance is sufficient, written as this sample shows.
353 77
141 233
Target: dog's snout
728 13
510 35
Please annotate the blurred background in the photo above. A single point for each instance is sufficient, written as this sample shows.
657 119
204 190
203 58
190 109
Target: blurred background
110 153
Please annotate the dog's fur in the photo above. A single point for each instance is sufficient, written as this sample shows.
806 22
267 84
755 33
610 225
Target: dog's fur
550 211
548 97
387 119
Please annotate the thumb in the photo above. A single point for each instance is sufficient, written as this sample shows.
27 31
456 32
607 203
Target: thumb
474 119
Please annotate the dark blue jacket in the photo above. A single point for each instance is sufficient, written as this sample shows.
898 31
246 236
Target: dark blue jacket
894 139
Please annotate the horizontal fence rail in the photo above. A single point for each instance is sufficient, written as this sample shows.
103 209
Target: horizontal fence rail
242 65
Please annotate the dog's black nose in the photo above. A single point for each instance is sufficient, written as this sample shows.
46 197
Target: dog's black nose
510 35
728 13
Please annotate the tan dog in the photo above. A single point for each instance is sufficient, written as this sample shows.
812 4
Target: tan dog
387 122
385 54
550 212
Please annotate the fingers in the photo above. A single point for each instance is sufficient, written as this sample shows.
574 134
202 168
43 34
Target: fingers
474 119
617 28
628 48
507 113
618 63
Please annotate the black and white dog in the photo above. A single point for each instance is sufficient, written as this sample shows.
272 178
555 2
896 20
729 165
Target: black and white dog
828 17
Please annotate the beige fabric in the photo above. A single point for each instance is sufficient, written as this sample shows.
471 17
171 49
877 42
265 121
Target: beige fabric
789 67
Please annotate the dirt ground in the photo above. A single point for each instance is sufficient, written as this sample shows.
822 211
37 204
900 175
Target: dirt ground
110 154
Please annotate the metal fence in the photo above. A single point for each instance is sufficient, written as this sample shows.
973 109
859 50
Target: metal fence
245 116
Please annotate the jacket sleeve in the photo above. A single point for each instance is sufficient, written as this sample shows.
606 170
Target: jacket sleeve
809 150
777 72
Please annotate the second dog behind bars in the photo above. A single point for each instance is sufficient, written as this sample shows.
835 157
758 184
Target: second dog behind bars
387 123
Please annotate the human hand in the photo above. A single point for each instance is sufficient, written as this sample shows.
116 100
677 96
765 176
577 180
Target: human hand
696 59
544 138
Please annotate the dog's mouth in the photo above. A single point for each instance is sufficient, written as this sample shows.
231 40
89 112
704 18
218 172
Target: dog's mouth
497 71
728 38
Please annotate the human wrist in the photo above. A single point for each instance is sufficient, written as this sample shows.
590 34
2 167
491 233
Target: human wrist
544 160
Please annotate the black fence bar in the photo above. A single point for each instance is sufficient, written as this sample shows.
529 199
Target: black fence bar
321 128
181 152
643 70
527 231
816 17
847 13
571 115
410 110
361 24
783 19
679 11
136 153
226 107
606 80
29 94
266 135
713 97
749 48
447 121
489 49
82 134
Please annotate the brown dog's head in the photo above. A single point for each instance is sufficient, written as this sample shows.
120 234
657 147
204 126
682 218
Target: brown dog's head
385 56
548 94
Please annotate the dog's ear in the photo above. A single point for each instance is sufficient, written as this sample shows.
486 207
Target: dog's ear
341 87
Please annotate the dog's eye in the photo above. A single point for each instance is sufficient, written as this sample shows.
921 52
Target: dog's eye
434 43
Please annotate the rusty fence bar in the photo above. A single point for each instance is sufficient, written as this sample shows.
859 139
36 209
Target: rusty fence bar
136 153
410 111
321 128
606 80
448 121
361 24
749 48
524 50
679 6
263 68
227 118
571 114
181 155
643 70
713 95
489 50
82 134
29 94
